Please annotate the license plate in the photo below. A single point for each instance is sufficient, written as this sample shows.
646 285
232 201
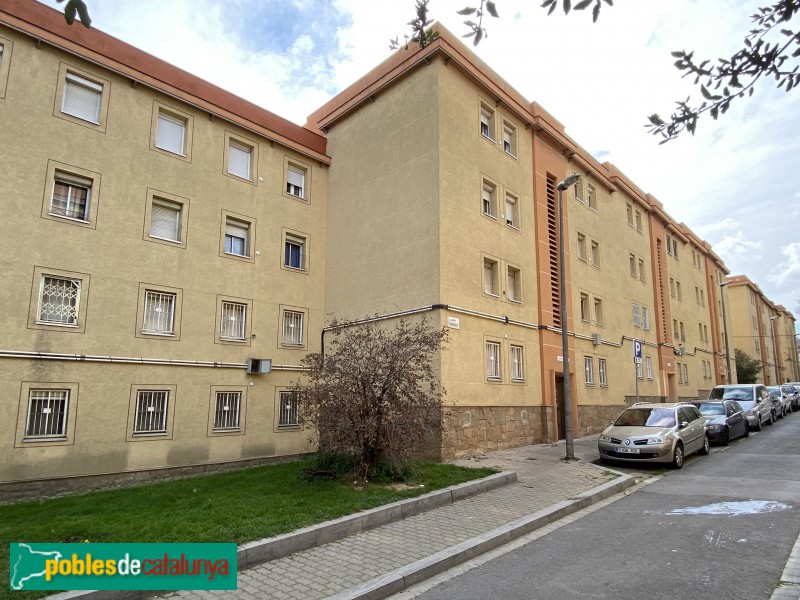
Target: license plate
627 450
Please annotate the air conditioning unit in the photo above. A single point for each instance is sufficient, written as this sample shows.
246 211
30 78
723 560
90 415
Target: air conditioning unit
597 339
258 366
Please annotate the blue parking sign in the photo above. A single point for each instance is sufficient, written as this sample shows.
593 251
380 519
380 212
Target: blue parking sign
637 351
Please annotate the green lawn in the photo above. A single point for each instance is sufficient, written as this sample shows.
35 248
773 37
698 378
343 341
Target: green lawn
237 506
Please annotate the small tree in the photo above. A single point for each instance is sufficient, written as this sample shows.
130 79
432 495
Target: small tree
376 392
747 368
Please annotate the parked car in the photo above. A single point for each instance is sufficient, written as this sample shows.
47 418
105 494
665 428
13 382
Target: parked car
725 420
796 403
752 397
784 395
665 433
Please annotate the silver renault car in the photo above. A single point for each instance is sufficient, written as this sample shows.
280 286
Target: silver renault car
664 433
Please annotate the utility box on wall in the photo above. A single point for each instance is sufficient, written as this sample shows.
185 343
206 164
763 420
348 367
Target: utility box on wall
258 366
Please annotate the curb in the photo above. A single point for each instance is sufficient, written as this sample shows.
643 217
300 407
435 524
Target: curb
416 572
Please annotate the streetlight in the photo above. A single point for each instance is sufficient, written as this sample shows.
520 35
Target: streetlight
725 331
566 183
775 349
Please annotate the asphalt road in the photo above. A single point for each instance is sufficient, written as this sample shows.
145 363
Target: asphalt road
722 527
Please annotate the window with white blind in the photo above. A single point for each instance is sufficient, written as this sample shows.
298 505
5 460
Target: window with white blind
150 415
295 181
47 414
294 252
240 159
59 299
226 411
71 196
509 140
292 328
493 361
171 133
165 220
159 312
81 98
517 363
490 282
514 285
289 409
489 200
232 321
512 211
487 122
237 236
588 370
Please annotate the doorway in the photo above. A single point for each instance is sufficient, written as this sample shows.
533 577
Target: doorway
560 421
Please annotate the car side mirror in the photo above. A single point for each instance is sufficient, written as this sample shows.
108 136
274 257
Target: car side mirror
684 424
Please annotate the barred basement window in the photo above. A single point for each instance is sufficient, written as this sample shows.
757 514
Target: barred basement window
232 321
226 410
47 414
58 300
151 412
289 410
159 312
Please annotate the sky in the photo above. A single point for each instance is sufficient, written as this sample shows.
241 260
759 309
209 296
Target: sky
736 183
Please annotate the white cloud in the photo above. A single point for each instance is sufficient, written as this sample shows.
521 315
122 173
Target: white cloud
789 269
736 247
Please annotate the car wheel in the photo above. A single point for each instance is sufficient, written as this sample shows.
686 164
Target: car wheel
706 449
771 418
726 437
677 456
760 426
747 429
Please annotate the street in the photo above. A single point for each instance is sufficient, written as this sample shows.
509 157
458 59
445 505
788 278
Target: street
723 526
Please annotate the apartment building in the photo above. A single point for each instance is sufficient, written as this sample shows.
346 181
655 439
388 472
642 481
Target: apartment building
183 249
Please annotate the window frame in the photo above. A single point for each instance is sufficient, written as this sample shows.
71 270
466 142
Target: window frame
588 371
67 437
585 310
34 315
648 363
164 199
493 365
284 312
494 265
594 253
602 371
165 433
247 304
6 52
491 188
516 295
282 396
581 241
598 315
517 362
237 220
85 79
238 142
177 302
637 318
591 196
57 171
487 111
213 410
176 116
296 238
510 146
292 163
513 201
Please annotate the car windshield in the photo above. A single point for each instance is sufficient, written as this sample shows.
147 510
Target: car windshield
711 408
646 417
732 393
745 404
774 389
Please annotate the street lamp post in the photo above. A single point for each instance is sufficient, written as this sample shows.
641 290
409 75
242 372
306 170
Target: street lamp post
563 185
775 348
725 332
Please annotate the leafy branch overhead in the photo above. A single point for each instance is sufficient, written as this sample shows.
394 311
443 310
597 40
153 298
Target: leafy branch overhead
770 49
77 8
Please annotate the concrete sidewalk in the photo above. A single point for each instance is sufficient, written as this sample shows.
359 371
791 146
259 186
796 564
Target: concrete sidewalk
387 559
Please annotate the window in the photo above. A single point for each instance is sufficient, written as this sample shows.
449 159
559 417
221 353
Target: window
577 189
232 321
151 412
490 284
676 332
59 300
632 265
488 199
641 269
588 370
678 290
171 133
675 248
159 312
679 372
509 139
237 237
70 197
292 328
648 367
639 371
226 410
47 414
5 58
685 374
585 307
289 410
595 253
639 221
81 98
517 364
758 346
683 331
629 210
487 122
598 311
582 246
671 287
700 330
294 252
492 360
165 220
591 196
295 181
240 160
637 322
514 287
602 372
645 318
512 218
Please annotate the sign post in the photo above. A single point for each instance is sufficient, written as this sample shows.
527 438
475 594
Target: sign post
637 361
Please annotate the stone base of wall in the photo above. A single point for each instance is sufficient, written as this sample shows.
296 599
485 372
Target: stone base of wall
595 418
48 488
475 429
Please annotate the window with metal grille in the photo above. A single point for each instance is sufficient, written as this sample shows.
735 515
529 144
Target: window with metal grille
289 410
239 160
237 234
165 220
159 312
294 255
492 360
602 372
232 321
70 196
58 300
171 134
517 364
151 412
47 413
588 370
226 410
295 181
81 98
292 327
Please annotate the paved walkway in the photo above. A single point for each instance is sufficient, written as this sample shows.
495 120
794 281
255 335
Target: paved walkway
544 480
